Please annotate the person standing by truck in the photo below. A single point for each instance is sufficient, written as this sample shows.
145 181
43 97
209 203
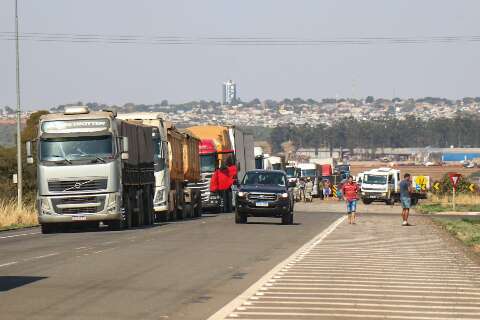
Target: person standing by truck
350 194
405 197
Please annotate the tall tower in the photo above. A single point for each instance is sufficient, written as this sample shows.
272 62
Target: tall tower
229 93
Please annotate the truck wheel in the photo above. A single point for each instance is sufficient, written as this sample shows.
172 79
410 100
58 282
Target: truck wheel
116 225
48 228
367 201
390 202
287 218
240 218
414 201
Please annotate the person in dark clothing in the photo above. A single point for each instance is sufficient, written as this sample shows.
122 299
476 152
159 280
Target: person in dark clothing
405 197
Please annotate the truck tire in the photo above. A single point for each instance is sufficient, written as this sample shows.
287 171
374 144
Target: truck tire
390 202
116 225
48 228
240 218
367 201
287 218
148 205
414 201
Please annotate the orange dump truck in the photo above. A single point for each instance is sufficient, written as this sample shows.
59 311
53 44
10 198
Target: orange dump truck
226 153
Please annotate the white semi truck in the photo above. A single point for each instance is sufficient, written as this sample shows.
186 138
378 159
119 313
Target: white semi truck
92 168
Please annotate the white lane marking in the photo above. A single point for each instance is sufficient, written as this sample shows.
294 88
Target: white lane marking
334 281
367 290
295 295
446 300
341 286
344 315
383 273
43 256
238 301
401 305
19 235
81 248
8 264
455 313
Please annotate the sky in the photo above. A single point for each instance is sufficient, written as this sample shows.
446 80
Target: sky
55 73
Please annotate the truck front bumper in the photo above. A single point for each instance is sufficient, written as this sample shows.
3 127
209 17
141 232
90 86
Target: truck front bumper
79 208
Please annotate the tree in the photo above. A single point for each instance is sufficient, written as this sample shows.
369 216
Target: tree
370 99
164 103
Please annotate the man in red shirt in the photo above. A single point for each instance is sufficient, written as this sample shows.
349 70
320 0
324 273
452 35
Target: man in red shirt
350 195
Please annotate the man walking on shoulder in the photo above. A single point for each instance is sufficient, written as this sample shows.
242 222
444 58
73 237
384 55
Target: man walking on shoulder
405 197
350 195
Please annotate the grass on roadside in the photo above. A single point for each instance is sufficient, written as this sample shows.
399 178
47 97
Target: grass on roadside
11 217
464 203
467 230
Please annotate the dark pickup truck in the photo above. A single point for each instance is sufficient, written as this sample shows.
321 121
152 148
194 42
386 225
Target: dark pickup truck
264 193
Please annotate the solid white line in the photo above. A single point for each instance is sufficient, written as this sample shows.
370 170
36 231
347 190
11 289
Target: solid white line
295 295
380 285
342 315
368 290
238 301
41 257
8 264
446 300
400 306
18 235
334 281
376 310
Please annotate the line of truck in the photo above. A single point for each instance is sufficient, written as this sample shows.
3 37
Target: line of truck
130 170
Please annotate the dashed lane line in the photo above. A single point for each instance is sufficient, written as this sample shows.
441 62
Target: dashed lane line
19 235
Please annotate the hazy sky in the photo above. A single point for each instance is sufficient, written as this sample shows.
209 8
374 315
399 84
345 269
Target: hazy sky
55 73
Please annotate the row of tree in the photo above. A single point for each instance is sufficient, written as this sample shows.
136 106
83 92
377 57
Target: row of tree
411 132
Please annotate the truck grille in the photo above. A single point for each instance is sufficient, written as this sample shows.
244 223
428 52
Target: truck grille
262 196
78 205
77 185
204 187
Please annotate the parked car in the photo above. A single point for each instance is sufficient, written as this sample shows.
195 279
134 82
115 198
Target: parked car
264 193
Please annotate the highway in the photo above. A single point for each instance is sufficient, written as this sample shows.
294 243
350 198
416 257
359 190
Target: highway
183 270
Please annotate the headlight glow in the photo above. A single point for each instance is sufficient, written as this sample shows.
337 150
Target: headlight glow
242 194
284 195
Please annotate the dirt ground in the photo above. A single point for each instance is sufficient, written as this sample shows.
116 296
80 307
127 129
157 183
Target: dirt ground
435 172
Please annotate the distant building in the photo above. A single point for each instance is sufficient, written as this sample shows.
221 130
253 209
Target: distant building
229 93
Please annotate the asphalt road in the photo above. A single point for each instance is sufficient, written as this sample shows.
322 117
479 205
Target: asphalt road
183 270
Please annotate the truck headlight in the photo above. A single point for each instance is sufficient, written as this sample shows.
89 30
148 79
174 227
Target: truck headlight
284 195
113 199
242 194
45 204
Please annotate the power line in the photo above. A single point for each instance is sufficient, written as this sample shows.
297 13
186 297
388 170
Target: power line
171 39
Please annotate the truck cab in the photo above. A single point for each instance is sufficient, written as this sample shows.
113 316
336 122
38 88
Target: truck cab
381 184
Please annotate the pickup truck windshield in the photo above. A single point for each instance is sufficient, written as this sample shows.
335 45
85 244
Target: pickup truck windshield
264 178
208 163
309 173
370 179
79 148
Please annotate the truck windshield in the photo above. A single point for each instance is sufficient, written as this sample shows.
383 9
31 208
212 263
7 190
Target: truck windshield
78 148
370 179
264 178
290 172
208 163
309 173
342 168
159 155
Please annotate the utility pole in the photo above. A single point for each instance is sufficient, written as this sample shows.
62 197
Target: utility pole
19 140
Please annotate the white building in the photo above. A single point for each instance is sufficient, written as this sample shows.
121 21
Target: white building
229 93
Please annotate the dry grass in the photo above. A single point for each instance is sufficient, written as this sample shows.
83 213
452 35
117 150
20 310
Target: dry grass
12 217
461 199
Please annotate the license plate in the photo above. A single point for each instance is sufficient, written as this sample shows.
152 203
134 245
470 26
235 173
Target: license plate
261 204
79 218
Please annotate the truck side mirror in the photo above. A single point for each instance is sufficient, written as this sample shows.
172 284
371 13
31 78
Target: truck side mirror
124 148
29 152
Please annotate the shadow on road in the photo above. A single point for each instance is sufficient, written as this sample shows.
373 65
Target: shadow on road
273 223
11 282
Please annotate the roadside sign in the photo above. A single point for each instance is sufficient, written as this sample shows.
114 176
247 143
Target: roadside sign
436 186
454 179
421 183
471 187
